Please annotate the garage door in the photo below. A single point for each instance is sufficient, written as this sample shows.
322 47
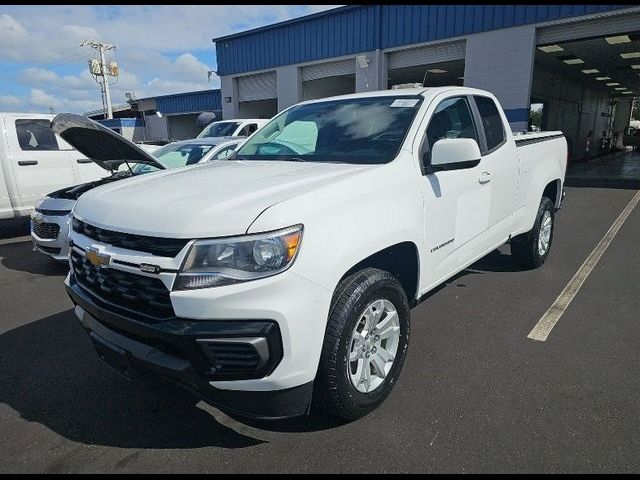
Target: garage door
442 52
329 69
596 27
261 86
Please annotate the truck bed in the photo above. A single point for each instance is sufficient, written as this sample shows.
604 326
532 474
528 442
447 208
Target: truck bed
527 138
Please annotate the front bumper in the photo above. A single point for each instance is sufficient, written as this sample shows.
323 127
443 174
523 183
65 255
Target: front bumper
58 247
298 307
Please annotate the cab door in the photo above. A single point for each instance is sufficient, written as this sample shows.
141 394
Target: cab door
86 169
457 200
499 157
38 163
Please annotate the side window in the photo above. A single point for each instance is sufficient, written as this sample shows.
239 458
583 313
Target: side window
451 119
36 135
248 130
491 121
224 153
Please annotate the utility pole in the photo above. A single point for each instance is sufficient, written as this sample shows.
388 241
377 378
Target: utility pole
102 70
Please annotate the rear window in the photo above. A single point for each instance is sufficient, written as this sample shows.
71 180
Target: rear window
36 135
491 121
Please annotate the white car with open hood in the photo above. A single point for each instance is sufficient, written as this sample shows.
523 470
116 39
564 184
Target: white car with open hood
51 215
115 155
284 276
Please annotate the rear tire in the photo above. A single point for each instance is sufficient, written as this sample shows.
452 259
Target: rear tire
532 248
358 367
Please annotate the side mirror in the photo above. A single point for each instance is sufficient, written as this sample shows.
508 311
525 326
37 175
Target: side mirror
454 154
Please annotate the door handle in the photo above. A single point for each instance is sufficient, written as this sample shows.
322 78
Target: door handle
24 163
84 160
485 177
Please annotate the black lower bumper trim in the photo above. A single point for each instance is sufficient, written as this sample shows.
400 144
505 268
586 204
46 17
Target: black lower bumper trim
130 355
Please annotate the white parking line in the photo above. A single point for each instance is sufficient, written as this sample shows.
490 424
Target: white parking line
544 326
6 241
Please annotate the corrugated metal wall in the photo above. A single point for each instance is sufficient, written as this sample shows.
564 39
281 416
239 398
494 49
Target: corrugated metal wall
349 30
206 100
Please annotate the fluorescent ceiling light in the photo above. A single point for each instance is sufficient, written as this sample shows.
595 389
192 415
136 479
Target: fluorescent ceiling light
603 78
618 39
636 67
436 70
630 55
573 61
627 93
551 48
591 70
460 78
612 84
620 88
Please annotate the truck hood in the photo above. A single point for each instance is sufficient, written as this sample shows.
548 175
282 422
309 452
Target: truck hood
208 200
99 143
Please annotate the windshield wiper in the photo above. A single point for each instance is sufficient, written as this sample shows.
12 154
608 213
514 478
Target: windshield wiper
295 159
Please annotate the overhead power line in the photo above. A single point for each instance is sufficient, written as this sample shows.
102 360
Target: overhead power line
26 65
47 66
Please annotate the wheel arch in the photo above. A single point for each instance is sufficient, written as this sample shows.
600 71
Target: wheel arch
553 191
402 260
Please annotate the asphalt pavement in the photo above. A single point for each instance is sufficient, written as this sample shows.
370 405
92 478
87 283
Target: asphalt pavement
475 395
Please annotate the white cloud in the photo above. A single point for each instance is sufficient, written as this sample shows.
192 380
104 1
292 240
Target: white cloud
13 33
43 64
40 99
9 102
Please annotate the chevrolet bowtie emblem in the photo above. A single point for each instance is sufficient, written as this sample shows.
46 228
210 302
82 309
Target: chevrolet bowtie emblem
97 259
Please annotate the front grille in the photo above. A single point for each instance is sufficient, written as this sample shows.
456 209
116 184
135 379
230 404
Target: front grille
146 296
53 213
45 230
231 358
166 247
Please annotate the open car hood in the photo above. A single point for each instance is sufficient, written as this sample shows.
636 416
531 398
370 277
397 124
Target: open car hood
99 143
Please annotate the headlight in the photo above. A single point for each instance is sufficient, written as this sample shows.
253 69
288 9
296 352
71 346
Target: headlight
216 262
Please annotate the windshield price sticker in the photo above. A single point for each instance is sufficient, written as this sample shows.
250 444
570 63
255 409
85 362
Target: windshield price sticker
404 103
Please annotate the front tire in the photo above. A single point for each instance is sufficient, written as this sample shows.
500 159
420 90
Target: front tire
532 248
365 344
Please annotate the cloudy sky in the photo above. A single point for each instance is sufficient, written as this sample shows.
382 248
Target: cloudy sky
161 50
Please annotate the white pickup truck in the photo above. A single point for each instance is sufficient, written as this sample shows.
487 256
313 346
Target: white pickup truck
284 277
34 161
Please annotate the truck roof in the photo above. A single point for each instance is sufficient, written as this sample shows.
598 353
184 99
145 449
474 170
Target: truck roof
48 116
401 92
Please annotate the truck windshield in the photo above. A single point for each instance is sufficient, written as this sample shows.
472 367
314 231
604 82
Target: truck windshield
219 129
358 131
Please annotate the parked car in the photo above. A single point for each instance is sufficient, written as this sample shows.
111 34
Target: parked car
285 275
51 215
199 150
232 128
35 161
147 147
116 157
